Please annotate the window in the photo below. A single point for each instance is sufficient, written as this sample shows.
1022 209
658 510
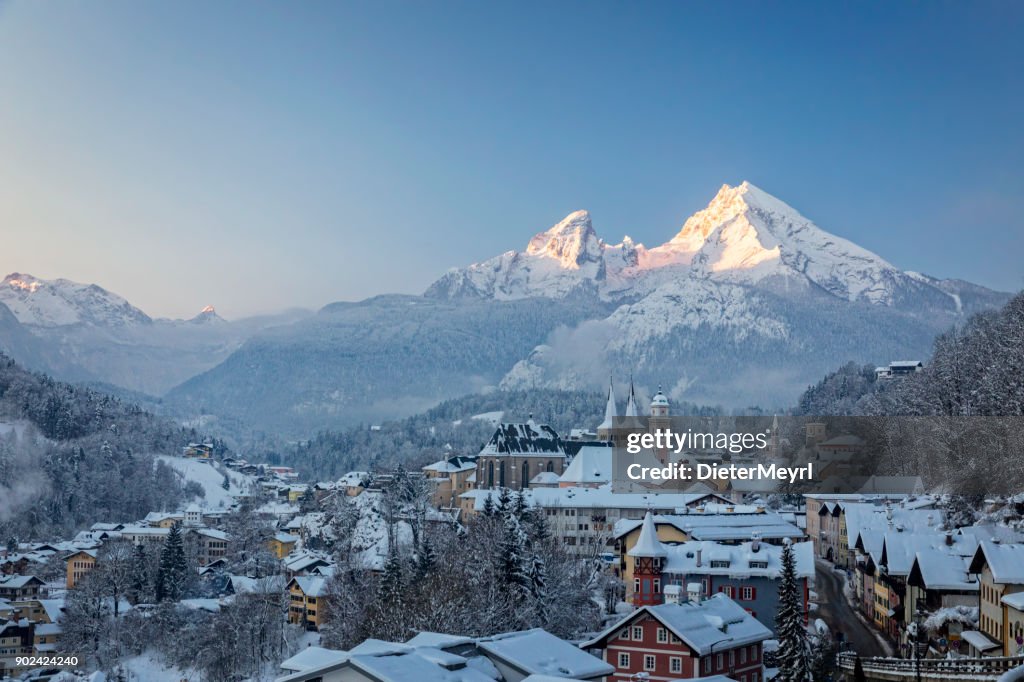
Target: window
707 664
638 633
727 590
675 665
662 636
657 586
755 677
718 661
719 563
753 652
747 593
624 660
624 634
636 584
743 655
649 662
732 658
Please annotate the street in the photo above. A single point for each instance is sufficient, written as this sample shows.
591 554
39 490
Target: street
840 616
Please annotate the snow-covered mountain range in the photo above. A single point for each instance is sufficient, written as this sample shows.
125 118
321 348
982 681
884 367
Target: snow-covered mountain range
83 332
748 303
745 236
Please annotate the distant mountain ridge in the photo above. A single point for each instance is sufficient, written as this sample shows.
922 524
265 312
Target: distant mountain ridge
82 332
747 303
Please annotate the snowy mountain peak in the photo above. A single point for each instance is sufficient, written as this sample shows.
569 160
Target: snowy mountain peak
572 241
743 236
207 315
61 302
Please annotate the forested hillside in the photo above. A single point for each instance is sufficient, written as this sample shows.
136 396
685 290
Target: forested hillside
70 456
975 370
458 426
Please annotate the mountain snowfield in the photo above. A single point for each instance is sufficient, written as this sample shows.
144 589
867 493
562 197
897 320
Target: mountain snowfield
748 303
745 236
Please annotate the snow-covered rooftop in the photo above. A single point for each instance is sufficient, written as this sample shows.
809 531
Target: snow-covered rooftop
742 559
716 620
539 652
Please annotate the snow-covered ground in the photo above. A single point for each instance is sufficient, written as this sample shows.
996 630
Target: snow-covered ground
493 417
211 479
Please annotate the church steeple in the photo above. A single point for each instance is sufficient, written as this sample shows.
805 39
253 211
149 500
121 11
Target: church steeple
605 429
631 409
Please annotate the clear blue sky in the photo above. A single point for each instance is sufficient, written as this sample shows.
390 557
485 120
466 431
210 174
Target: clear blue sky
259 156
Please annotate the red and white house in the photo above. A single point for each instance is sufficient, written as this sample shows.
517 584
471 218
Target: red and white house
715 636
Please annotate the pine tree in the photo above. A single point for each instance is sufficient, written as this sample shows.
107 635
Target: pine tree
504 502
139 580
792 656
173 570
426 559
226 483
538 591
488 509
519 504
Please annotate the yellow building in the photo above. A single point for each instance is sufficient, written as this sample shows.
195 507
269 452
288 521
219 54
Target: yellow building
449 479
306 596
282 544
78 564
1000 571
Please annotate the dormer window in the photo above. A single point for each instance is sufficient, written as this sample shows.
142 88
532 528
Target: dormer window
759 564
719 563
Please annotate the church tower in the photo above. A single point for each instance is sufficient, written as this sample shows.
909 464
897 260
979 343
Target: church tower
660 421
648 556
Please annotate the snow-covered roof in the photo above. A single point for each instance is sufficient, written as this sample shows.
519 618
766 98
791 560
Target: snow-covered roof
529 439
313 657
18 581
545 478
438 640
600 497
742 559
311 586
935 569
592 464
452 465
610 410
1005 561
716 620
978 640
539 652
1015 600
285 538
416 665
720 525
648 545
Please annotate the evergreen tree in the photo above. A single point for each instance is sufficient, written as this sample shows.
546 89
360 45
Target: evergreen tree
519 504
139 579
504 502
488 509
858 671
226 483
173 569
792 656
538 591
426 559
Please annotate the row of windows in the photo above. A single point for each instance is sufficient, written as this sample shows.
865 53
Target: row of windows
675 663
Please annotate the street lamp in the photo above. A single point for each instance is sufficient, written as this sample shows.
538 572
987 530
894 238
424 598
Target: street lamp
918 614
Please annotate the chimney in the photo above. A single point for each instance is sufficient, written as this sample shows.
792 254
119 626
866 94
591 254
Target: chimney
755 542
949 538
694 592
698 558
930 520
